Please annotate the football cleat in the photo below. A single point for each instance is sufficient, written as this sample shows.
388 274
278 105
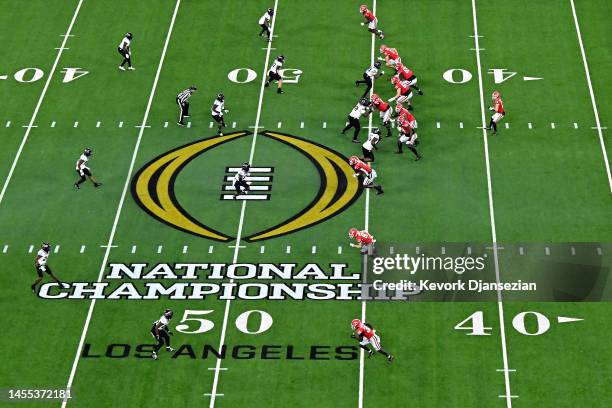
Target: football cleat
169 348
495 95
353 160
46 246
355 322
87 152
154 355
168 313
370 353
363 8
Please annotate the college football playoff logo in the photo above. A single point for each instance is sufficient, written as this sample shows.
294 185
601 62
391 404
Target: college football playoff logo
153 187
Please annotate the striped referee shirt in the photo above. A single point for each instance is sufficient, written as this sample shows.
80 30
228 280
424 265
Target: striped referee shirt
184 96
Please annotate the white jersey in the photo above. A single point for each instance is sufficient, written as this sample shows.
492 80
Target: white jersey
124 43
265 18
84 160
164 322
373 139
358 111
240 176
217 108
276 65
372 71
43 255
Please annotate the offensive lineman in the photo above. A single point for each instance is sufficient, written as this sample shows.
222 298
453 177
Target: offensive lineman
83 171
404 93
182 100
368 173
370 74
407 125
371 21
498 108
241 185
368 147
217 110
408 76
126 52
363 108
365 334
365 241
391 56
160 331
265 22
274 73
41 265
385 112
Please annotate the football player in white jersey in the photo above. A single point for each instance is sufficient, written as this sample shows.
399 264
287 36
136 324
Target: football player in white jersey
369 145
161 332
83 171
241 185
274 73
126 52
363 108
217 110
265 22
41 265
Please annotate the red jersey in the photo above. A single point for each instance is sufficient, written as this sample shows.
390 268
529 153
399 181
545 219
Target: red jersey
363 168
405 126
499 106
404 72
391 53
405 115
380 104
367 332
402 87
369 15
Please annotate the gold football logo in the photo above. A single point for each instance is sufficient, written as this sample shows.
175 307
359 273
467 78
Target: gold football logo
153 187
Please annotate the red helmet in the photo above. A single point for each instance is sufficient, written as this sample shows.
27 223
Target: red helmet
353 160
395 80
398 108
353 232
399 66
495 95
374 97
363 8
383 48
355 323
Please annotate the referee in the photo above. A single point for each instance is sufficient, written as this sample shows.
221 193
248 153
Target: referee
369 76
182 101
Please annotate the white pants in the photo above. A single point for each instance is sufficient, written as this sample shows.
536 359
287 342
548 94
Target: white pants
374 341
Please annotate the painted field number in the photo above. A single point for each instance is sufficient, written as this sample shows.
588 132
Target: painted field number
193 322
528 323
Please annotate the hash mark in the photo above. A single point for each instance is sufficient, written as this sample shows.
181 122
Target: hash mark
5 249
521 251
529 125
418 250
262 249
210 249
547 251
575 125
31 249
8 123
573 251
133 249
469 250
599 252
53 124
76 124
185 249
438 125
121 124
339 250
552 125
82 249
165 124
314 249
233 125
98 123
280 124
460 125
391 250
443 249
159 249
324 125
301 125
188 124
56 250
507 125
288 249
210 125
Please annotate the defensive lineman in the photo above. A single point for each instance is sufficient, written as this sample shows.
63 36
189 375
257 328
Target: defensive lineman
365 334
274 73
241 185
83 171
265 22
160 331
41 265
182 100
370 74
368 147
126 52
217 110
361 109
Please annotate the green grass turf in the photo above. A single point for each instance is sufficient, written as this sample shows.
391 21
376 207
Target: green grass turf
548 186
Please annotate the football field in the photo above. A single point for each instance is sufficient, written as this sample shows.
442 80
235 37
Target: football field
264 286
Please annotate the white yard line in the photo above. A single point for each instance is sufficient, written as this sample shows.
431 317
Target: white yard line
502 327
120 206
366 226
213 393
40 101
595 111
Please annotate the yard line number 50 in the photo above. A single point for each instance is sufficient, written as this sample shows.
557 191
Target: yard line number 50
477 327
193 323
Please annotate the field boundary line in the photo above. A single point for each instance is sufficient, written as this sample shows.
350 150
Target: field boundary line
121 201
213 393
592 94
502 329
366 225
40 101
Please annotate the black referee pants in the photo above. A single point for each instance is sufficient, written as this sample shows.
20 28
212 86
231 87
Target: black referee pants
353 123
366 80
183 109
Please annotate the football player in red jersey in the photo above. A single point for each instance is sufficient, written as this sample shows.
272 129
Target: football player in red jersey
371 21
404 93
385 111
408 76
391 56
365 240
365 334
498 108
367 172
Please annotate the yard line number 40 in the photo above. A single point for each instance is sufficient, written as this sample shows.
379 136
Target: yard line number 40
477 326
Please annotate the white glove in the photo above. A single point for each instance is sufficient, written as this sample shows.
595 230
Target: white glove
43 268
391 99
226 110
382 72
127 55
491 109
362 24
380 58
